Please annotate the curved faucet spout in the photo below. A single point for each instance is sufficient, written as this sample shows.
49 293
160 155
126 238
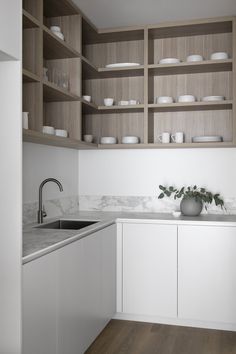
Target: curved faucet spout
41 212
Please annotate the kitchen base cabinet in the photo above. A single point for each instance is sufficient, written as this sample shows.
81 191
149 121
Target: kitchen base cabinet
70 295
207 273
150 269
39 315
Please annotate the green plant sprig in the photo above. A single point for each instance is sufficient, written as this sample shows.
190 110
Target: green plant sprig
199 194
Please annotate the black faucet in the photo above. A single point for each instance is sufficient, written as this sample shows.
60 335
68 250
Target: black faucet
41 212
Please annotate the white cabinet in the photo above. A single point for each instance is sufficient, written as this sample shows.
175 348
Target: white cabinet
39 315
150 269
207 273
70 295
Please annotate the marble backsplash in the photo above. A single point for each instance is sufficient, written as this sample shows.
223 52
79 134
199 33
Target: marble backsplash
143 204
53 208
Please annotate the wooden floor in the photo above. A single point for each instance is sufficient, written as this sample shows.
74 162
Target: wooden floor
126 337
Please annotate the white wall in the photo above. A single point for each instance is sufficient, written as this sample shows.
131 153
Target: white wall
139 172
40 162
10 25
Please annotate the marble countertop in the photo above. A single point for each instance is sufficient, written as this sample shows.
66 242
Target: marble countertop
38 242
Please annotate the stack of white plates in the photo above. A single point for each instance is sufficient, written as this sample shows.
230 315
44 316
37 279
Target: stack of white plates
213 98
130 140
219 56
121 65
108 140
169 61
186 98
193 58
207 139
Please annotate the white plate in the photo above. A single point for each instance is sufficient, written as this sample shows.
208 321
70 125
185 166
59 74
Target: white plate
169 61
219 56
193 58
121 65
108 140
207 139
186 98
213 98
130 140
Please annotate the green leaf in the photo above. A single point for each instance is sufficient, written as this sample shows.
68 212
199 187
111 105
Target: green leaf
161 187
161 196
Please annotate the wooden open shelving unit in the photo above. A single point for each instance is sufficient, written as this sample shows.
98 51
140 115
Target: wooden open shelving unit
83 56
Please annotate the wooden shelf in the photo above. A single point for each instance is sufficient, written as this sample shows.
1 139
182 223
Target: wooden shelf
55 48
89 70
122 109
29 76
29 21
190 68
45 139
166 146
53 93
55 8
191 106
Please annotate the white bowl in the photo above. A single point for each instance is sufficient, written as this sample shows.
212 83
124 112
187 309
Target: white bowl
108 140
123 103
108 102
88 138
87 98
164 99
130 140
55 29
61 132
213 98
186 98
48 130
169 61
193 58
219 56
59 35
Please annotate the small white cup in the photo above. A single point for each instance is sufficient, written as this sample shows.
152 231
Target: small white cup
164 138
178 137
48 130
25 120
87 98
88 138
108 101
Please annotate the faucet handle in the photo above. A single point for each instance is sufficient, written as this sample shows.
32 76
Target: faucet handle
44 212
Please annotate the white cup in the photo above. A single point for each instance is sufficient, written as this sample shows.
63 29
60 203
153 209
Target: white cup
88 138
108 101
164 138
25 120
178 137
87 98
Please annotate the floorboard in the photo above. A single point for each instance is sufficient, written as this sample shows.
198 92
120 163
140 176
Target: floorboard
128 337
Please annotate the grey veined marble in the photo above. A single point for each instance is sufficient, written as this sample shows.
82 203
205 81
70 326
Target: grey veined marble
144 204
53 208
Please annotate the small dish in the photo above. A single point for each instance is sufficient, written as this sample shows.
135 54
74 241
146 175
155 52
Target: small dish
176 213
108 102
169 61
130 140
219 56
61 132
213 98
48 130
87 98
59 35
186 98
194 57
164 99
121 65
123 103
108 140
207 139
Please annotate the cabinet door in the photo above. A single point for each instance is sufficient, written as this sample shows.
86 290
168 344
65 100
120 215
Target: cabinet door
207 273
150 269
39 316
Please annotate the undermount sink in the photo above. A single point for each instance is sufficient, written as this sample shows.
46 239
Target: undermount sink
67 224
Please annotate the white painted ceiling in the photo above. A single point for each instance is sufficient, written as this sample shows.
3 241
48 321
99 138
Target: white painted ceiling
116 13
